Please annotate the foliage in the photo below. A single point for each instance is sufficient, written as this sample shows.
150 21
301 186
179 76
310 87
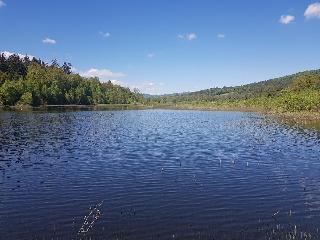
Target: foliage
297 92
26 99
33 82
10 92
307 81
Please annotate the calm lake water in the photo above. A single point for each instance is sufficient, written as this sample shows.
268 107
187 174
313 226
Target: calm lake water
161 174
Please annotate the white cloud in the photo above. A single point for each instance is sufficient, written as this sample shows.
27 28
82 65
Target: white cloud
313 11
286 19
221 35
151 55
148 87
117 82
105 34
74 70
8 54
191 36
49 41
2 4
102 74
188 36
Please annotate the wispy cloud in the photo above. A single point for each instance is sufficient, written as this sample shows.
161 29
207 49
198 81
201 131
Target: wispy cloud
105 34
286 19
313 11
192 36
2 4
221 35
188 36
102 74
151 55
49 41
149 87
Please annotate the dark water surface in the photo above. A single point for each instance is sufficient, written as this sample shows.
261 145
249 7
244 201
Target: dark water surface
162 174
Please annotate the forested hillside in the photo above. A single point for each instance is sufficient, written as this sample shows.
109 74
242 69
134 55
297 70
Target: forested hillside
25 81
297 92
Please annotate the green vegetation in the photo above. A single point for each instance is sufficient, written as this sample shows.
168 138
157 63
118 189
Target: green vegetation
34 82
295 93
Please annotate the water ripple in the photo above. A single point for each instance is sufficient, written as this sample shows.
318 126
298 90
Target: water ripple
162 175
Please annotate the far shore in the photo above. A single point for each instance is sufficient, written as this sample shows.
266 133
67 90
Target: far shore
294 117
302 117
74 106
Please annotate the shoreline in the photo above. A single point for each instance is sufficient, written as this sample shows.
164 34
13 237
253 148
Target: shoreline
302 117
72 107
293 117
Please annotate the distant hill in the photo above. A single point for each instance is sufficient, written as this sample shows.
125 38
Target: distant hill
271 87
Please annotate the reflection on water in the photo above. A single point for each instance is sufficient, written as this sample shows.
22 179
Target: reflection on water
161 174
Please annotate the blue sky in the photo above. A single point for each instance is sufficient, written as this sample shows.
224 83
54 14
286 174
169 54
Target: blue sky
169 45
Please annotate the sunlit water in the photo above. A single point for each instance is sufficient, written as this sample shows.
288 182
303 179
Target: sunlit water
161 174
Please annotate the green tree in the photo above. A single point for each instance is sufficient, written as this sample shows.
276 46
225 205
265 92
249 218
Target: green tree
10 92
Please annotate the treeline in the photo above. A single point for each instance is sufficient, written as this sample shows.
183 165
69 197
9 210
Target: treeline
297 92
25 81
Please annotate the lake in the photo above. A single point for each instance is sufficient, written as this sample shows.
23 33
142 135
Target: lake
157 174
